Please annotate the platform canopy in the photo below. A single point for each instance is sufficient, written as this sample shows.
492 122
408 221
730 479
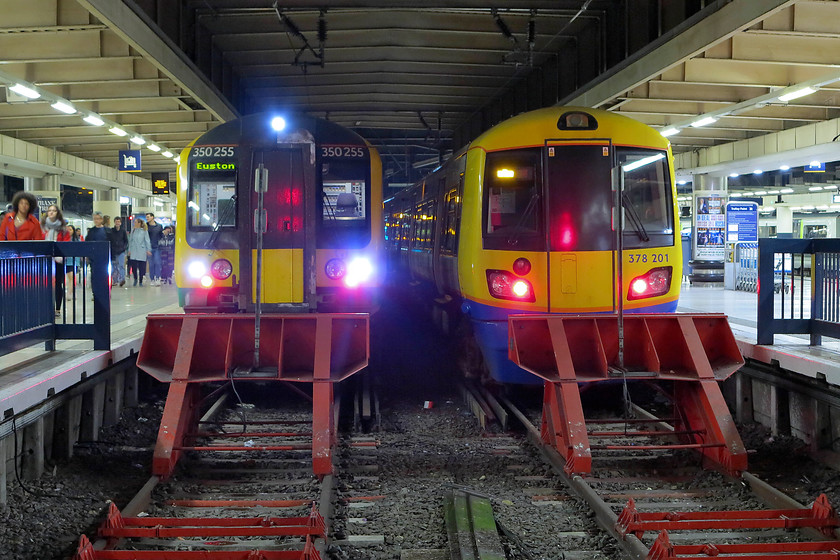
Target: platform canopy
417 82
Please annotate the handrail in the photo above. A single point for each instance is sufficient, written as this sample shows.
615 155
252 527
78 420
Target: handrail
27 295
815 311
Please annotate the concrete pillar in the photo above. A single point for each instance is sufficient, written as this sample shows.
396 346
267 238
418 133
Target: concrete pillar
49 430
743 398
32 184
113 400
131 396
4 470
784 219
93 407
66 432
32 460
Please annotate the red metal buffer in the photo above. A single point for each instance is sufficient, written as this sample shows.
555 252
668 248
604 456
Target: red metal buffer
187 351
692 351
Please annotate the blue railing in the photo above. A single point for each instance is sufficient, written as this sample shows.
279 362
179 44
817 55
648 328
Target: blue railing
28 295
808 272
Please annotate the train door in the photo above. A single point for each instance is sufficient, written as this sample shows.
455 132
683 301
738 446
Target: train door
581 240
283 279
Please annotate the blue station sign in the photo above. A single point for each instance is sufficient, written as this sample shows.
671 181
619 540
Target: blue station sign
129 160
741 222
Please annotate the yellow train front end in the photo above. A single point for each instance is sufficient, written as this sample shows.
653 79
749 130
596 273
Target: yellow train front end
554 196
322 207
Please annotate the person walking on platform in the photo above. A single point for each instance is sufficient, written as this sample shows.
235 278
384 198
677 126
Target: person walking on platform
20 224
155 233
119 245
167 255
55 229
139 249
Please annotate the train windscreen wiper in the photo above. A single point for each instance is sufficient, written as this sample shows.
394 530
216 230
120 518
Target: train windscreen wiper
513 239
634 218
223 219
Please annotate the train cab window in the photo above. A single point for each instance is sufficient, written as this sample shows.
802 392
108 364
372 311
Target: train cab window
512 205
212 204
345 203
648 205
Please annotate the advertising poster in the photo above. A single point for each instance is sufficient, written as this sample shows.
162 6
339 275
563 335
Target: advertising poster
44 202
709 227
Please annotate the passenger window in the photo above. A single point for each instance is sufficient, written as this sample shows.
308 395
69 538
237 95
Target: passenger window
212 204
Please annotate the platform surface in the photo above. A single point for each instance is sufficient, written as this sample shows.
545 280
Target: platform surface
791 352
29 376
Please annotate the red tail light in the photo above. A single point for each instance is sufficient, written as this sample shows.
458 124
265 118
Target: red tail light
504 285
655 282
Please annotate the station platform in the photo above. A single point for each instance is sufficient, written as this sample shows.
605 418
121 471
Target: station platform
790 352
32 375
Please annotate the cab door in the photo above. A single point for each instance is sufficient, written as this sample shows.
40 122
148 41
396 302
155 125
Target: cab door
581 239
284 279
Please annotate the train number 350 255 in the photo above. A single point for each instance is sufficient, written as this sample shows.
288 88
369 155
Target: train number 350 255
644 258
342 151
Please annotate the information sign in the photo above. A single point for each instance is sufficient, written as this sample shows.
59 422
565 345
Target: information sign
129 161
742 222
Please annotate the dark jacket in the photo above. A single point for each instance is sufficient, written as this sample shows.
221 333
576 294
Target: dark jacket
119 241
97 234
155 233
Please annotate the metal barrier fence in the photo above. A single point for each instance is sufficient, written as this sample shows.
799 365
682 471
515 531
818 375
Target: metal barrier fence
28 314
746 259
799 288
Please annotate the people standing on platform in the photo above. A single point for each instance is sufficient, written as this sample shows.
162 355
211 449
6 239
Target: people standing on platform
20 224
55 229
119 245
167 255
72 264
98 231
139 250
155 233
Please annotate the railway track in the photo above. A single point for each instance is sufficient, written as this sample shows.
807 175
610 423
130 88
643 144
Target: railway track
246 490
662 504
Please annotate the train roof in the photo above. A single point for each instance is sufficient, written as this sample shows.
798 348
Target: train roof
535 127
256 129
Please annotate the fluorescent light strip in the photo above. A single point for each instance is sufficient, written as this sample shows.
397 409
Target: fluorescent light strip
154 147
63 107
703 122
669 132
137 140
94 120
21 89
117 131
797 94
167 153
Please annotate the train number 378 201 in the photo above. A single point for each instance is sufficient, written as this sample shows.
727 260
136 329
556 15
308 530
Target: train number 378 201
645 258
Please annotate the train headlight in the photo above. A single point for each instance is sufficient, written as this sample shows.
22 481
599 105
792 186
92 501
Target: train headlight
504 285
335 269
359 270
197 269
278 124
206 281
221 269
655 282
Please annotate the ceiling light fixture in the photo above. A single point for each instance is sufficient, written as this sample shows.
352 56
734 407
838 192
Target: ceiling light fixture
154 147
63 107
703 122
94 120
117 131
796 94
669 131
21 89
137 140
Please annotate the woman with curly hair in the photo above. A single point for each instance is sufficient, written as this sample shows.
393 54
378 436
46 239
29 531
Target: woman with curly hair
20 224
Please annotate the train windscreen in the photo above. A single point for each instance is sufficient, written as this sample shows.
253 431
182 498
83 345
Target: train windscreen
345 202
647 200
579 198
